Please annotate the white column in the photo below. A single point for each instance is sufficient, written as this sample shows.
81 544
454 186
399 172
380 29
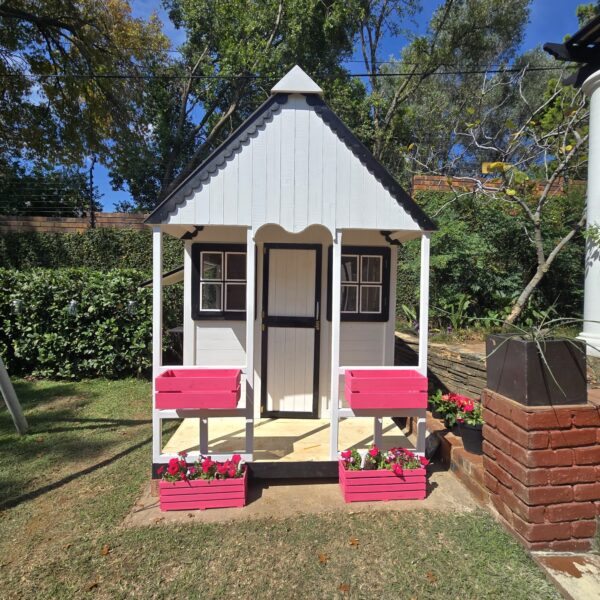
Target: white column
423 331
336 278
424 304
157 261
250 282
189 325
591 299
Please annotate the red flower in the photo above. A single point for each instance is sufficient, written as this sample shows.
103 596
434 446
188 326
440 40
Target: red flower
192 471
160 470
183 454
397 469
347 454
232 472
207 463
408 453
236 458
424 461
221 469
182 464
374 451
173 468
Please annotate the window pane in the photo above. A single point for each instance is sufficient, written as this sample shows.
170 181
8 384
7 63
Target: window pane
370 299
211 296
371 269
349 298
236 266
235 296
212 265
349 268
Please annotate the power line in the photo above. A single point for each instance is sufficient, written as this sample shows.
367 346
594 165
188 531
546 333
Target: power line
267 77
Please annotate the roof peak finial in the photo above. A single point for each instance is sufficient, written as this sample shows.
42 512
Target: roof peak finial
296 81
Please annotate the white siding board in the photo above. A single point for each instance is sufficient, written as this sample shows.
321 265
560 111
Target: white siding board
330 148
244 194
302 144
273 136
215 193
259 178
221 343
288 133
230 188
342 199
315 169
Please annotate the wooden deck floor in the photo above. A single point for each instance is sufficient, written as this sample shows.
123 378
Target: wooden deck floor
293 440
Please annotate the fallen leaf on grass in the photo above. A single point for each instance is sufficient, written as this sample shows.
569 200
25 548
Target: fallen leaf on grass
67 546
353 541
39 440
344 588
159 519
190 515
92 585
431 577
105 550
323 559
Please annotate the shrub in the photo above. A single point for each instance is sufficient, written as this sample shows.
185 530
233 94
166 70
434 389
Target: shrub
106 334
101 249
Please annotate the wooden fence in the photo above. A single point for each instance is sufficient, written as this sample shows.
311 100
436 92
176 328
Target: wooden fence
71 224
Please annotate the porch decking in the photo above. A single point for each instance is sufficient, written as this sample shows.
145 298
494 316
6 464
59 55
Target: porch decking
283 440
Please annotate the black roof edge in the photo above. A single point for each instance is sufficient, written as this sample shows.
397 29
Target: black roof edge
591 27
168 204
337 126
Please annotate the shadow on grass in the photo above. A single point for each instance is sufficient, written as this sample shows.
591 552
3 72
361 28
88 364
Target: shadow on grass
12 502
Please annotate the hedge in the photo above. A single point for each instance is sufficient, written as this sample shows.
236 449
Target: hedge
108 335
101 249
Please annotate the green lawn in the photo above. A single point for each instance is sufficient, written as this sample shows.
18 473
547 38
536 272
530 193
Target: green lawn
66 487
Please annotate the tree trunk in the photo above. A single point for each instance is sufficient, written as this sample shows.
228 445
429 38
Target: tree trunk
518 306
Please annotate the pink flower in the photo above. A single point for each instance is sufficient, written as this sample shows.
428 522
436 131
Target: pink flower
347 454
183 454
160 470
221 469
192 471
424 461
374 451
232 472
236 458
397 469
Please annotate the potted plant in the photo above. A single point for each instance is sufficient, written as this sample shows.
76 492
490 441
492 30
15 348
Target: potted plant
470 426
397 474
205 484
435 405
538 366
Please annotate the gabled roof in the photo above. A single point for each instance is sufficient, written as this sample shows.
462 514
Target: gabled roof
295 82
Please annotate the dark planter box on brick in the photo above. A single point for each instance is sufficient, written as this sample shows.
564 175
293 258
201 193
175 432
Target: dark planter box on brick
516 370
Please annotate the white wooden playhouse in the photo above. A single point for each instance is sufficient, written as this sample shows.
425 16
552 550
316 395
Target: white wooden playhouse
291 230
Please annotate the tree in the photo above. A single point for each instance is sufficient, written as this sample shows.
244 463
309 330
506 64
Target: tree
534 164
71 87
234 52
462 35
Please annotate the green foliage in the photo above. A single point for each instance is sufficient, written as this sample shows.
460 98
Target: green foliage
100 249
107 335
481 255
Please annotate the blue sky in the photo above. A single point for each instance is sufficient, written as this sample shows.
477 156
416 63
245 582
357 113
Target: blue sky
550 21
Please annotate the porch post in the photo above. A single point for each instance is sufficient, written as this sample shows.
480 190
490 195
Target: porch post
591 299
156 335
423 331
336 278
189 326
250 308
424 304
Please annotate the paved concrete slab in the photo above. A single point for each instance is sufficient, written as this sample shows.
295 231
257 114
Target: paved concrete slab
577 576
273 500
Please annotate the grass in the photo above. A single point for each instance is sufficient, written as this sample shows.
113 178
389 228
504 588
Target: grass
66 487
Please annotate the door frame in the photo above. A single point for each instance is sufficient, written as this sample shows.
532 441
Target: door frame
300 322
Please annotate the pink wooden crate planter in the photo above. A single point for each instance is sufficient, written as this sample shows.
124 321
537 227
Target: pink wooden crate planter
199 494
198 389
369 486
367 389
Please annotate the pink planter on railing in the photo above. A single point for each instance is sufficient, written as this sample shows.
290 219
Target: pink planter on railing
373 389
198 389
200 494
369 486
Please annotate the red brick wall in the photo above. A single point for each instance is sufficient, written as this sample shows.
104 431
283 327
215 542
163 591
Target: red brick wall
71 224
542 468
439 183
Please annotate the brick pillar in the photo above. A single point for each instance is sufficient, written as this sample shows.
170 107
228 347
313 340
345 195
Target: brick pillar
542 468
